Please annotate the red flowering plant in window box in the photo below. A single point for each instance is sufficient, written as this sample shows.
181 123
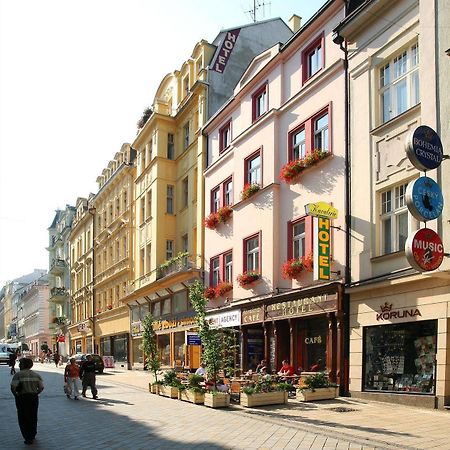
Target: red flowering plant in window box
290 171
222 288
209 293
109 306
249 190
292 268
99 310
247 278
212 221
224 213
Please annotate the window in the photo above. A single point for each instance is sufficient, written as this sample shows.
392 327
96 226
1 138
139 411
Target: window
251 253
222 195
312 58
125 248
117 250
142 262
186 135
313 134
185 198
169 206
228 192
150 150
215 199
300 236
179 302
253 169
185 243
169 249
117 207
149 205
170 147
224 137
148 258
142 210
260 102
399 83
221 269
143 160
394 220
186 85
298 239
125 200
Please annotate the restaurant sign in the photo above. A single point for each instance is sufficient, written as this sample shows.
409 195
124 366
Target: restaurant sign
253 315
174 322
424 250
302 306
225 319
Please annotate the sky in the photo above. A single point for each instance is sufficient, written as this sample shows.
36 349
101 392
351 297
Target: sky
75 77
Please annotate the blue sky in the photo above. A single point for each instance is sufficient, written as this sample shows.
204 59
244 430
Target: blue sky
75 77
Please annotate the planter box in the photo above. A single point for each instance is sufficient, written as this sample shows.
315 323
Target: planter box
219 400
318 394
153 388
264 398
168 391
187 395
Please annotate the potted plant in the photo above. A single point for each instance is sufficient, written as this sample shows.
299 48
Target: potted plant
290 172
247 278
211 221
170 385
265 392
249 190
316 387
150 348
213 347
210 293
193 392
224 213
109 306
222 288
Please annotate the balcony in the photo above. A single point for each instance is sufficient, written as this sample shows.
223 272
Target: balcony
178 264
57 266
58 294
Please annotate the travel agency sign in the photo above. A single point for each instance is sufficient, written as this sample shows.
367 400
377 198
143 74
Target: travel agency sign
424 249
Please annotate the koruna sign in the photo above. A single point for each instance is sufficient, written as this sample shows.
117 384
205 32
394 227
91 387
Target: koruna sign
424 250
424 199
225 50
387 313
424 148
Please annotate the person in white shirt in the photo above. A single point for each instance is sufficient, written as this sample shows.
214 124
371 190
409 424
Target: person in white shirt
201 370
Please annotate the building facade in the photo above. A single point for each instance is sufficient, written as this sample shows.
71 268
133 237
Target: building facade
113 234
169 186
399 320
59 279
274 148
81 286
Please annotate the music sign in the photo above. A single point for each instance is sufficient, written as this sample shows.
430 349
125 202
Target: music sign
424 250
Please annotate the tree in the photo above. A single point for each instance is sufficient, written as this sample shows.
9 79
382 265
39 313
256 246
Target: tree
211 338
150 346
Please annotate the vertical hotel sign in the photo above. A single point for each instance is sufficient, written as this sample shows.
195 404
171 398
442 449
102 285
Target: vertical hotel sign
225 50
321 248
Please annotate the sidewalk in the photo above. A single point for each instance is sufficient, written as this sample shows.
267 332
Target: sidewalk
387 425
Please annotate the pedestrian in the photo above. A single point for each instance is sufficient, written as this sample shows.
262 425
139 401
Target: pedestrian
26 386
71 376
56 358
12 362
87 375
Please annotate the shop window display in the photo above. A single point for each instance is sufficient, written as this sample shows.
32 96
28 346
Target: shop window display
400 358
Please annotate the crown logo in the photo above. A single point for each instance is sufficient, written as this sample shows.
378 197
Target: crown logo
386 307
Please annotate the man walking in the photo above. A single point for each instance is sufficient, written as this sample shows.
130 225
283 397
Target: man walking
87 375
26 385
71 375
12 361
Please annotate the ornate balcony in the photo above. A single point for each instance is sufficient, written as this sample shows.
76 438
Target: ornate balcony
57 266
178 264
58 294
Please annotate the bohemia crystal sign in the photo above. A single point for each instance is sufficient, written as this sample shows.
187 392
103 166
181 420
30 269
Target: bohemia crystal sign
424 148
424 250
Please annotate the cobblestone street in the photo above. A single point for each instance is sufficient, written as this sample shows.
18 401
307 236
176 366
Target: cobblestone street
126 416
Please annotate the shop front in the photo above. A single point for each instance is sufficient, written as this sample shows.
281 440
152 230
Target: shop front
303 327
398 346
81 338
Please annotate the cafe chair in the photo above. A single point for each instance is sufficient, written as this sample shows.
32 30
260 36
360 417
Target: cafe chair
235 392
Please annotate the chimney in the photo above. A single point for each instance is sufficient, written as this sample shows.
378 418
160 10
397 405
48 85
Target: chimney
295 22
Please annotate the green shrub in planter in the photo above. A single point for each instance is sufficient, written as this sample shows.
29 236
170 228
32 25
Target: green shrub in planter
316 381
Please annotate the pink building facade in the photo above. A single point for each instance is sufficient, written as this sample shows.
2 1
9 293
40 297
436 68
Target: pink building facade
275 147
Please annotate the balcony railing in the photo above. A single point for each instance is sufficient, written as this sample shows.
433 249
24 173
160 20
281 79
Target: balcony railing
178 264
57 266
59 292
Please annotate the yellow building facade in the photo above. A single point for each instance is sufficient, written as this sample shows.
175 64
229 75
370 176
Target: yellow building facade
113 208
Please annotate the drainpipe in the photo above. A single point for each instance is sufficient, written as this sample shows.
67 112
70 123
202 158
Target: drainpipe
91 211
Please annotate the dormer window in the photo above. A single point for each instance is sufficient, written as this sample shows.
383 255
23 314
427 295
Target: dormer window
186 85
225 137
312 58
260 102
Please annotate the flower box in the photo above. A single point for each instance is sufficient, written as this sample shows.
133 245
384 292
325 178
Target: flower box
153 388
211 221
224 213
264 398
326 393
291 171
189 395
210 293
247 278
222 288
168 391
293 268
249 190
217 400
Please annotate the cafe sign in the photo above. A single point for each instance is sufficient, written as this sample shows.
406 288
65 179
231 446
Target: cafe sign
224 320
424 250
253 315
424 199
302 306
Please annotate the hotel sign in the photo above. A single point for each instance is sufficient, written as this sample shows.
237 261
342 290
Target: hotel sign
321 209
225 50
302 306
321 249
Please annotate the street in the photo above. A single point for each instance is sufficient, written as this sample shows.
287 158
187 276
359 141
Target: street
126 416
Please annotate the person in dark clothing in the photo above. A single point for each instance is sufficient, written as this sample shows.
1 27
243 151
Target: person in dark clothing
12 362
87 375
26 386
56 358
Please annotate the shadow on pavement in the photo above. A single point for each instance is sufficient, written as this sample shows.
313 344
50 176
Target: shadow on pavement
70 424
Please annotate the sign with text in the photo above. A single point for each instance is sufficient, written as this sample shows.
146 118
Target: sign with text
226 48
424 148
252 315
174 323
321 248
224 319
424 199
302 306
424 250
321 209
192 338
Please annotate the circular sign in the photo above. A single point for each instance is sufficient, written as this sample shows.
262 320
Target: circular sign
424 148
424 250
424 199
